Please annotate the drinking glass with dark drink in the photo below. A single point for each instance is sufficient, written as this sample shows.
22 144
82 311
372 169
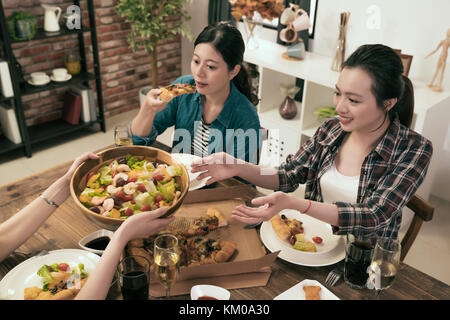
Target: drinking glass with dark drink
385 263
166 257
122 137
134 277
358 256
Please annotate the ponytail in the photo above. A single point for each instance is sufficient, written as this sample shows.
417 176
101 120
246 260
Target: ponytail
242 82
405 104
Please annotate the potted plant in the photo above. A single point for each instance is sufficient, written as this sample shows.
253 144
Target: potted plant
149 26
21 25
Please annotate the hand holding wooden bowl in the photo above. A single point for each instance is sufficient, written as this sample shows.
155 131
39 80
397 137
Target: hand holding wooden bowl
80 179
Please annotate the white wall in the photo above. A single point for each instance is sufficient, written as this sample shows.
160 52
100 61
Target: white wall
415 26
198 10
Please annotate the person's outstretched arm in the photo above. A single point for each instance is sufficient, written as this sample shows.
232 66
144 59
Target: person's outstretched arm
21 226
221 166
138 226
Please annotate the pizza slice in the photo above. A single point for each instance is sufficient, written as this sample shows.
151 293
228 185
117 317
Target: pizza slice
175 90
212 220
202 250
286 228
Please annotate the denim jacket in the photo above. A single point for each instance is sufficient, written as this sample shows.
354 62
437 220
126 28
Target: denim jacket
236 130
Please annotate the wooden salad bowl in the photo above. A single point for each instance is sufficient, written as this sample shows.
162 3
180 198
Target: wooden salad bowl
79 179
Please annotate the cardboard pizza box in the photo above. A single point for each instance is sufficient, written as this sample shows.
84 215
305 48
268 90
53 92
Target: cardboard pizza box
248 267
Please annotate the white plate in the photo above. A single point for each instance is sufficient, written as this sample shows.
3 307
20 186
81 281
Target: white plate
296 292
331 250
186 159
25 275
39 84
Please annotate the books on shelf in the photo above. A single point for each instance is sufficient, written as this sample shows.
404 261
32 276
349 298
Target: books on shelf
10 127
5 79
88 110
72 107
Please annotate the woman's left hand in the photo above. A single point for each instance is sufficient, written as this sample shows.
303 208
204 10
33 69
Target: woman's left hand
268 207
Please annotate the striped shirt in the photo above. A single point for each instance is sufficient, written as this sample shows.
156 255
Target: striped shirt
200 142
389 177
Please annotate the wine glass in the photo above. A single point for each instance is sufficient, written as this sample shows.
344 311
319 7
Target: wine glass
122 137
385 264
166 258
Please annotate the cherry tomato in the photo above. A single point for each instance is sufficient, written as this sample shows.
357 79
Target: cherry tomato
159 198
146 208
317 240
63 266
158 177
141 188
129 212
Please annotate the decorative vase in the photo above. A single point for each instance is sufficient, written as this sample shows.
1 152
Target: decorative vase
251 29
339 57
288 108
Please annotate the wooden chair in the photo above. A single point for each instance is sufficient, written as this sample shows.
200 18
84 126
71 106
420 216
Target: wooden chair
423 211
406 60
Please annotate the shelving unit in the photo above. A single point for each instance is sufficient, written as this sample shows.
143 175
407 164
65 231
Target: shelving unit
32 135
431 111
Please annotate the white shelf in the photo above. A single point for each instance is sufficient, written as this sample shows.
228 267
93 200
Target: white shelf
313 67
275 121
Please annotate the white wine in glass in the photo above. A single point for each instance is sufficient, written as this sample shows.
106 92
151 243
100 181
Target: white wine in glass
385 263
166 256
122 137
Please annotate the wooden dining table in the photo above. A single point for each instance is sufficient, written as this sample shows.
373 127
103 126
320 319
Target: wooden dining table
67 226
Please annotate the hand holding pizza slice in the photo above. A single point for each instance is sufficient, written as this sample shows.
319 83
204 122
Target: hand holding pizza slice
175 90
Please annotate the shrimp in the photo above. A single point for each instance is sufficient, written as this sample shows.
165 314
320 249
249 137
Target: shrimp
108 204
123 168
129 188
96 201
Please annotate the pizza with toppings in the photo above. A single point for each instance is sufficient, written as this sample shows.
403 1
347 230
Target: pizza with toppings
286 228
291 230
196 247
175 90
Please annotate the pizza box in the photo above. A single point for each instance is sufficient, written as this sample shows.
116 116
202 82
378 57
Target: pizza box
248 267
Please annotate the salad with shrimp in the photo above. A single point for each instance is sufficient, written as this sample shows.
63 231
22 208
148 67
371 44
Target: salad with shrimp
130 185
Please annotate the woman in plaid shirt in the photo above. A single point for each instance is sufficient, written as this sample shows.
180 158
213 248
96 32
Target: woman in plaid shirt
369 142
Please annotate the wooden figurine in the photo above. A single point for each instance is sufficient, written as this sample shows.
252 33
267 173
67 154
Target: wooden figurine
441 62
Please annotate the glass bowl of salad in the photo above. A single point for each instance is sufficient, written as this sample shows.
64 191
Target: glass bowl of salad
126 181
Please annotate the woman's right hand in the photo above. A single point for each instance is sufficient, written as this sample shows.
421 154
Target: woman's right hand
152 101
218 166
145 224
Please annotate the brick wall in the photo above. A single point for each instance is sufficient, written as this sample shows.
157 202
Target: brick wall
123 71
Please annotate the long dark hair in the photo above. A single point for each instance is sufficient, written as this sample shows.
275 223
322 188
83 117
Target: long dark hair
228 41
385 68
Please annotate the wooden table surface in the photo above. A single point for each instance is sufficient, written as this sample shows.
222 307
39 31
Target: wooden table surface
67 226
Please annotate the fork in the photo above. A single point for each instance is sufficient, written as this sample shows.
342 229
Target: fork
333 277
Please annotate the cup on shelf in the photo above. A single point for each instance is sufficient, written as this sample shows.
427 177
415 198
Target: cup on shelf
38 77
59 74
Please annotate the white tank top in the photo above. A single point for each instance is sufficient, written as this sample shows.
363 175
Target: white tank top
337 187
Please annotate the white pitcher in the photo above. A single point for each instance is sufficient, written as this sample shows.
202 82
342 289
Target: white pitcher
51 18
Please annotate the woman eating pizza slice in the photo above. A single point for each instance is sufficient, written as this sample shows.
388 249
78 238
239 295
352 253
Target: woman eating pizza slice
210 109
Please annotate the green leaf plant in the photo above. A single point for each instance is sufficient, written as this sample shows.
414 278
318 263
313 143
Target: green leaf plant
151 23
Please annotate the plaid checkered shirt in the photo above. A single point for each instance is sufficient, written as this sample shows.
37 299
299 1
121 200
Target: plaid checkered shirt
389 177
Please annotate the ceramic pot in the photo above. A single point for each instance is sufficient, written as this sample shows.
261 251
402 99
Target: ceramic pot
288 108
